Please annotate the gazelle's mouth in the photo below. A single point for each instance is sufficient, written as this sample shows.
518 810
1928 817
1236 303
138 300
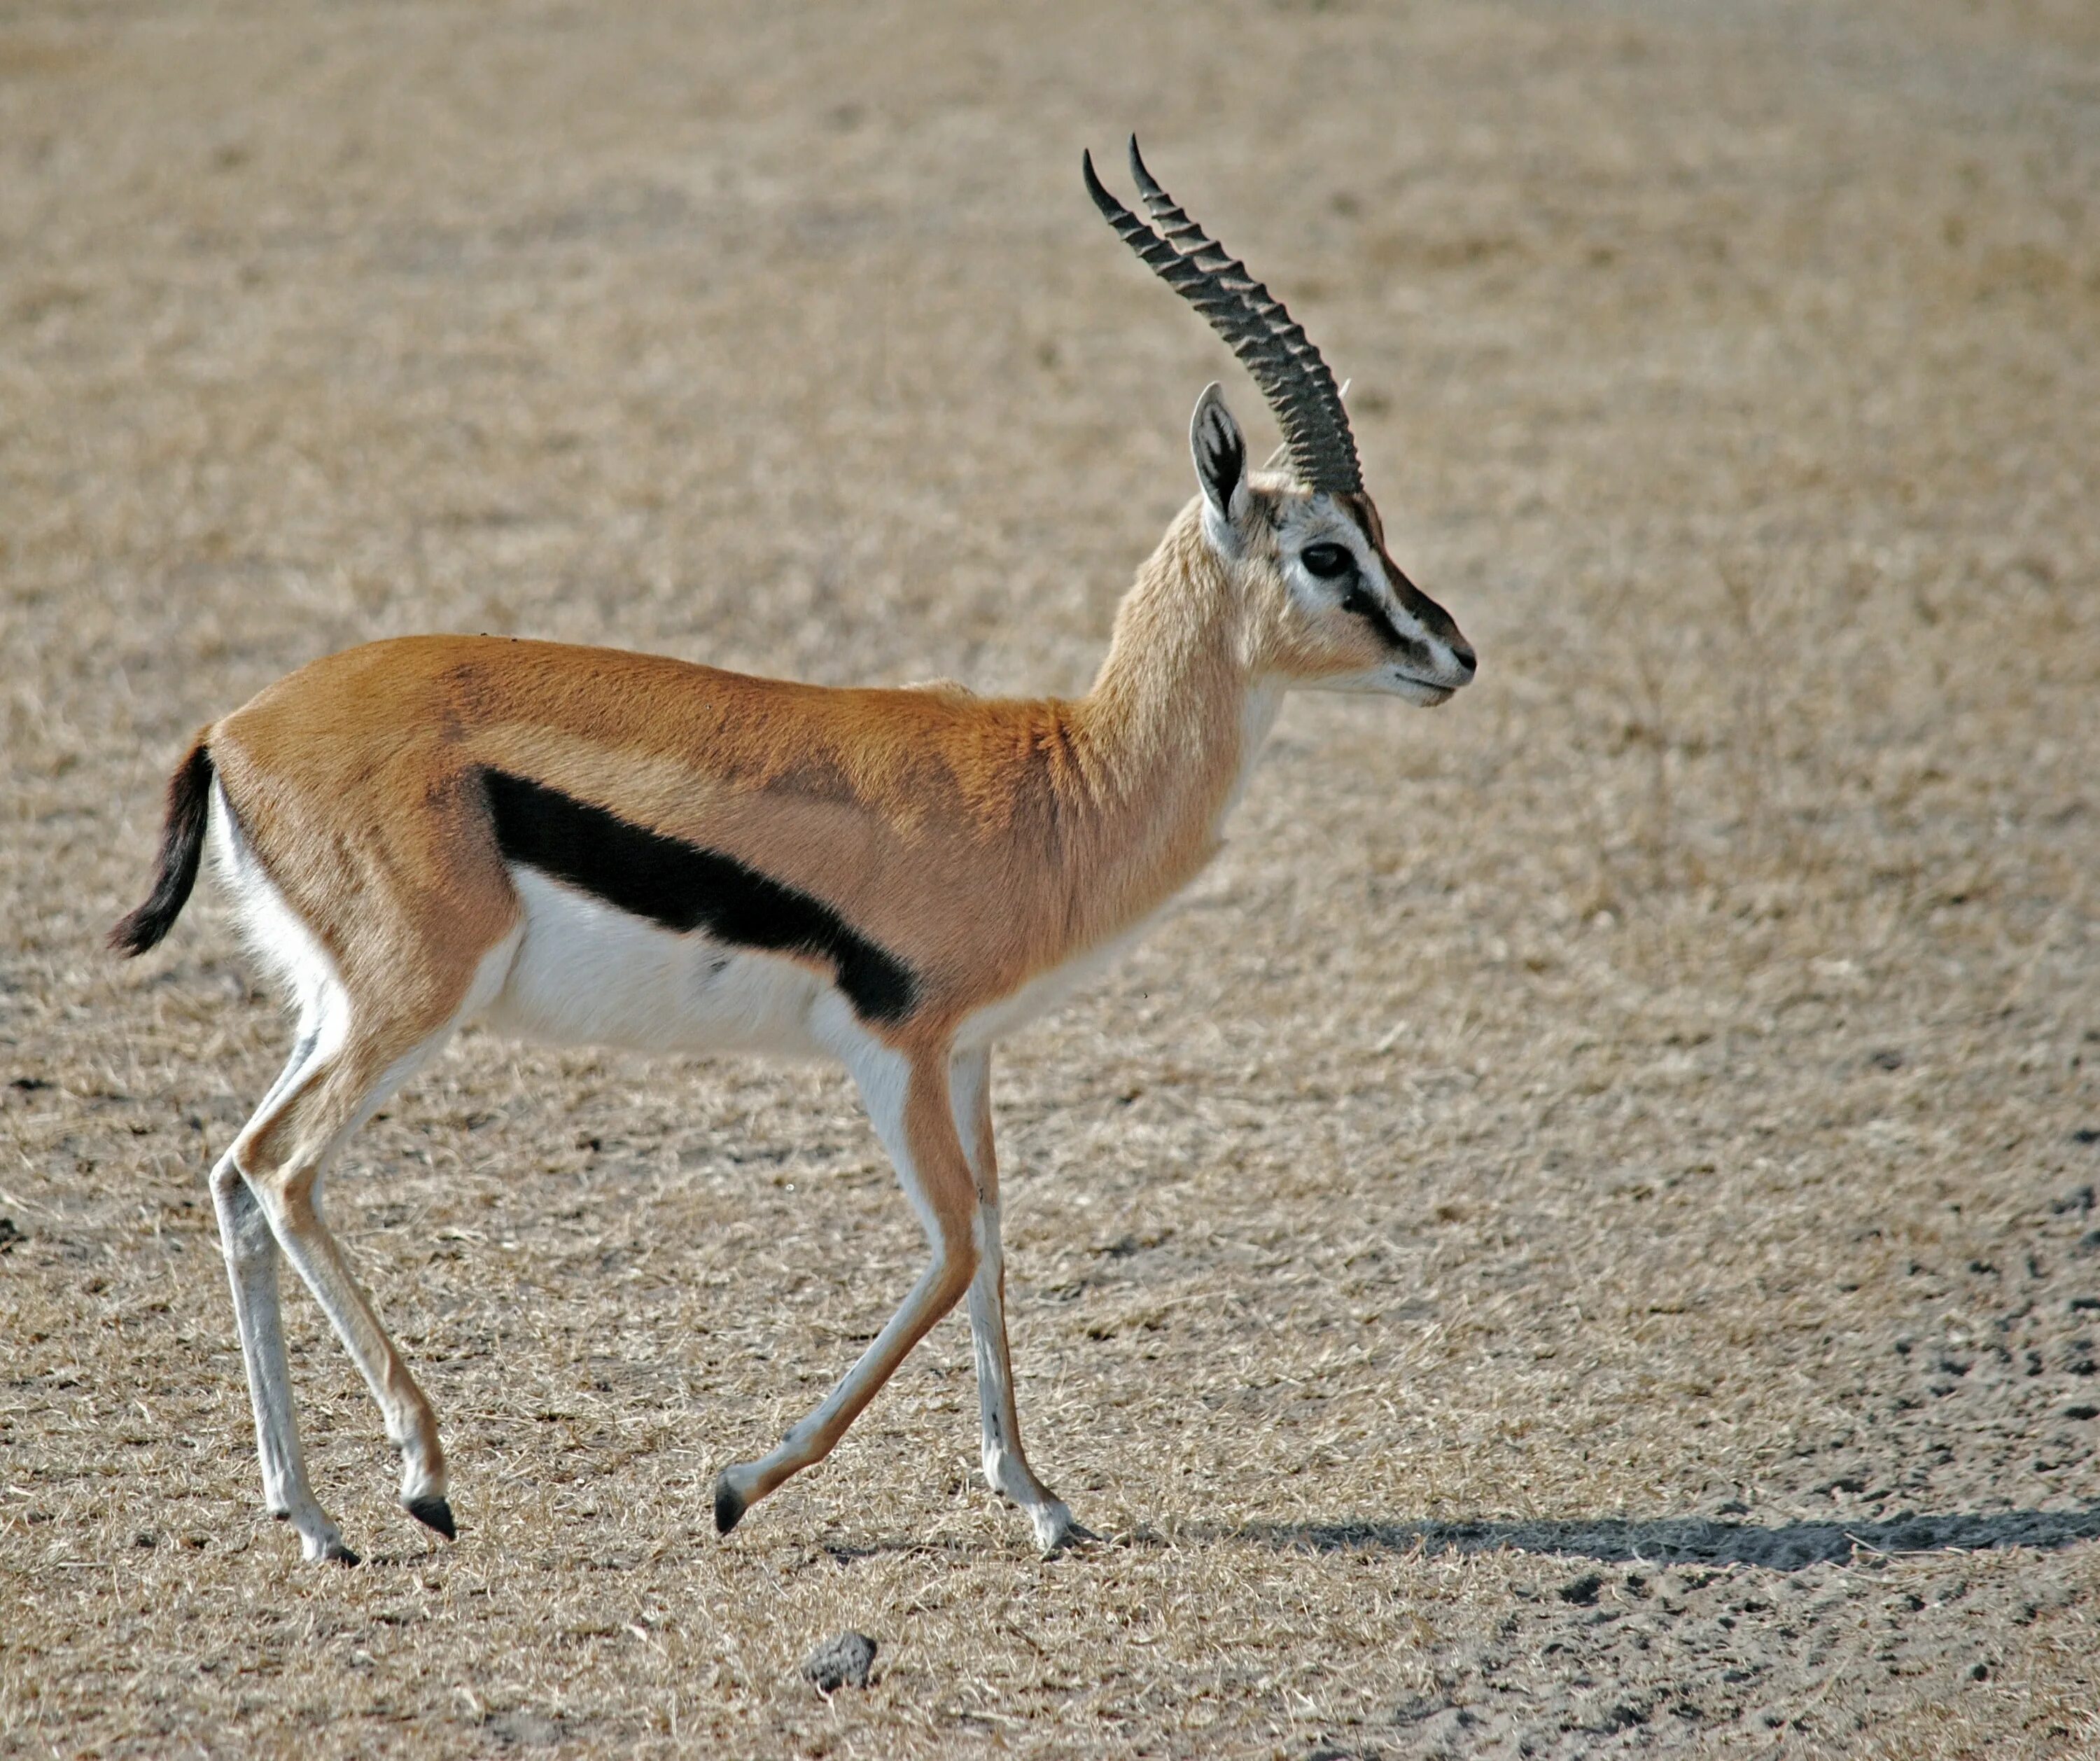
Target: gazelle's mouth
1428 692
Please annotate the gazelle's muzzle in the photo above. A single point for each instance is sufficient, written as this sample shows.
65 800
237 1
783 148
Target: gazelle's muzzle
1439 656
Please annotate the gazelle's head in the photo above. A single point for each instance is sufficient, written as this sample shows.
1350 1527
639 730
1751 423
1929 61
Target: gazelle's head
1333 610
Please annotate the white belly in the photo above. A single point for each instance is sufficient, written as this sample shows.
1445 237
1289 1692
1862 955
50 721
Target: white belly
587 974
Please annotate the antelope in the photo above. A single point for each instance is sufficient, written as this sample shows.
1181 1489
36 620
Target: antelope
584 845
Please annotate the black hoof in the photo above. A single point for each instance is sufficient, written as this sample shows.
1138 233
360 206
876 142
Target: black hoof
340 1555
729 1506
434 1513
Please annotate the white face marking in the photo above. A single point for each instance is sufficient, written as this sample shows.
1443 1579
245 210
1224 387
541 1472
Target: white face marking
1313 532
1317 592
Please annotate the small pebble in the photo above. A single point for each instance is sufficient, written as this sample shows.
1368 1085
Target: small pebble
840 1662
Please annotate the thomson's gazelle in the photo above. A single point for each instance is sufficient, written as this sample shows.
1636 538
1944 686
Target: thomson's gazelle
581 845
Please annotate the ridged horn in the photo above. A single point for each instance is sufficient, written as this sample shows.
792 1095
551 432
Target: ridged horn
1270 344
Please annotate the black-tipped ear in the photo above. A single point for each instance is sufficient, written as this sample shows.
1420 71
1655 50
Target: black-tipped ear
1220 451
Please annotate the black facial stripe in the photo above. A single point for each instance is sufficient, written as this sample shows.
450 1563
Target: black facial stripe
684 888
1416 654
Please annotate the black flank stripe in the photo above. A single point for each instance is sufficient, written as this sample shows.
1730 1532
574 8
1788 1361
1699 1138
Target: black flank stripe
685 888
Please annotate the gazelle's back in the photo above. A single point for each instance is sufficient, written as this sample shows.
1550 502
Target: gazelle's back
456 776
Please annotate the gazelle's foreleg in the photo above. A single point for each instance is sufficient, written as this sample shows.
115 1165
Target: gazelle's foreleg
1006 1468
907 1098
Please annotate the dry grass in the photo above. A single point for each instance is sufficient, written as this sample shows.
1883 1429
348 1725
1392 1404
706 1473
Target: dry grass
1574 1241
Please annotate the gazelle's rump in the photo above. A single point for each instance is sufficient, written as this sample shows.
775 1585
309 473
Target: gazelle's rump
580 845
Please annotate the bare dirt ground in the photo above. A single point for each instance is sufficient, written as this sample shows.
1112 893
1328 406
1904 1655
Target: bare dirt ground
1581 1237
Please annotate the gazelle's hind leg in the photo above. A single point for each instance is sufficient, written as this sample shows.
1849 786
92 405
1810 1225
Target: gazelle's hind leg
279 1160
251 1266
1006 1468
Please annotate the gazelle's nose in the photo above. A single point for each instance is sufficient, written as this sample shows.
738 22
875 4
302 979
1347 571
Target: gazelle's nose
1461 652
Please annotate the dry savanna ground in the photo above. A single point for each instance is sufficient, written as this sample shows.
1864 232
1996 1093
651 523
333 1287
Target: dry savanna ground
1580 1237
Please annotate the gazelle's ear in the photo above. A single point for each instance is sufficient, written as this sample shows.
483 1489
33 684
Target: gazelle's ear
1220 451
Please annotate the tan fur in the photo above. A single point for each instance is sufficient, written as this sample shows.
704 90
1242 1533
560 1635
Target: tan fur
354 780
986 843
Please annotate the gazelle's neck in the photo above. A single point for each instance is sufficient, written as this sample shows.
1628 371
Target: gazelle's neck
1167 736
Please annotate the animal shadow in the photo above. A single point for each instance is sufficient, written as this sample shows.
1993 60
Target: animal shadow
1666 1540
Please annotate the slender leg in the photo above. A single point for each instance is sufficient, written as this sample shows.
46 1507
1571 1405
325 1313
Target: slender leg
907 1099
251 1265
1006 1468
280 1157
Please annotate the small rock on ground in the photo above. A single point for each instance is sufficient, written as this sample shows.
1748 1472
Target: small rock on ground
840 1662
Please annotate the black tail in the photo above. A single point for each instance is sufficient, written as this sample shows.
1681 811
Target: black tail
181 842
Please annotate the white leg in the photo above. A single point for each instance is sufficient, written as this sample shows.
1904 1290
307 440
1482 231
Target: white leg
251 1266
291 1201
908 1103
1006 1468
279 1159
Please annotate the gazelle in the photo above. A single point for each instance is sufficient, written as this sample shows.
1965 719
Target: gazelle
578 844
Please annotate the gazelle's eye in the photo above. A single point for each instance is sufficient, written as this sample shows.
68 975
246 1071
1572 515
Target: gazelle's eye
1329 562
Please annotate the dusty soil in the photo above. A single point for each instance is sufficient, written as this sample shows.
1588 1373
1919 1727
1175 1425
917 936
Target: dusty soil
1581 1237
